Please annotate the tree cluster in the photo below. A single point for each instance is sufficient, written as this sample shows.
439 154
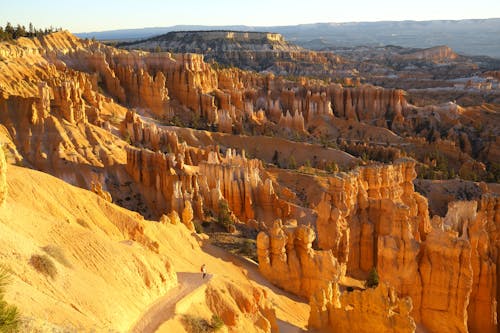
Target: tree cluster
9 32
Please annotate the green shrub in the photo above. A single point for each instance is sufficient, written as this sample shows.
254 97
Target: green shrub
216 322
196 324
56 253
127 138
249 249
373 280
332 167
44 265
224 217
9 314
198 227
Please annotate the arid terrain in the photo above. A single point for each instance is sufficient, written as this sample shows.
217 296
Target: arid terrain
345 190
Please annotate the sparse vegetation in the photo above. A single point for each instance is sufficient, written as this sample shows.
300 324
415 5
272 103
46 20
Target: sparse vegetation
127 139
44 265
216 322
56 253
196 324
83 223
198 227
249 249
9 314
373 279
224 217
176 121
332 167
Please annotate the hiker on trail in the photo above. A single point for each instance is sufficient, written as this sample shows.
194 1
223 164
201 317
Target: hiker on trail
204 270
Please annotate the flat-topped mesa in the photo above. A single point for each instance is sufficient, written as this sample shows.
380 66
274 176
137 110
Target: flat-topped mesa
256 51
238 36
286 258
440 53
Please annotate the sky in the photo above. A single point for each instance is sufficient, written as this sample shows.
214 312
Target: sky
99 15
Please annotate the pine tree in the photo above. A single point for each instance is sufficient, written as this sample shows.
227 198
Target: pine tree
373 280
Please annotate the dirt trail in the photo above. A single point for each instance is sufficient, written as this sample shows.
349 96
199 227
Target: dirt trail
253 274
164 308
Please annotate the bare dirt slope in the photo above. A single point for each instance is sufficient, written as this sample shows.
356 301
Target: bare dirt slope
164 308
112 265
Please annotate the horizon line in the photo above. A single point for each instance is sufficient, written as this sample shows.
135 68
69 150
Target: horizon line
283 25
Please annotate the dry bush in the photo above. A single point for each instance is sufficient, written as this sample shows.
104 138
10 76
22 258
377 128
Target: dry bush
44 265
83 223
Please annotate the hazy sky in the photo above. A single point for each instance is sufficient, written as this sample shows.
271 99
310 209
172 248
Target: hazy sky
97 15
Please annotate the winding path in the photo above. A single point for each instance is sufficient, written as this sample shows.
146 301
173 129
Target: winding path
164 308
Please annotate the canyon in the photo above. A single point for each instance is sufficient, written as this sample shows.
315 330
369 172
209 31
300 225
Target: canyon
120 158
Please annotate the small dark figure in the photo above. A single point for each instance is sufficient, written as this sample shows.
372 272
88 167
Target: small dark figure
204 270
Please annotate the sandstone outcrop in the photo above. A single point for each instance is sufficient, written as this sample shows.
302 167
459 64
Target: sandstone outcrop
231 302
171 181
351 213
472 227
96 187
438 54
390 229
370 310
446 275
187 216
287 259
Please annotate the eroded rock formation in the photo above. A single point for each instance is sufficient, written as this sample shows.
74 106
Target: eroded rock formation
354 211
447 268
371 310
287 259
231 302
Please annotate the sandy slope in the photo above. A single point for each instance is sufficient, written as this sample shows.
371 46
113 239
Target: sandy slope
114 278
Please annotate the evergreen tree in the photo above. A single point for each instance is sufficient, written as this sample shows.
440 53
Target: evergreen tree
373 280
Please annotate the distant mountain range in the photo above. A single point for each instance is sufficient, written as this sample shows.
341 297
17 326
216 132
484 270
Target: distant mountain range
470 37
